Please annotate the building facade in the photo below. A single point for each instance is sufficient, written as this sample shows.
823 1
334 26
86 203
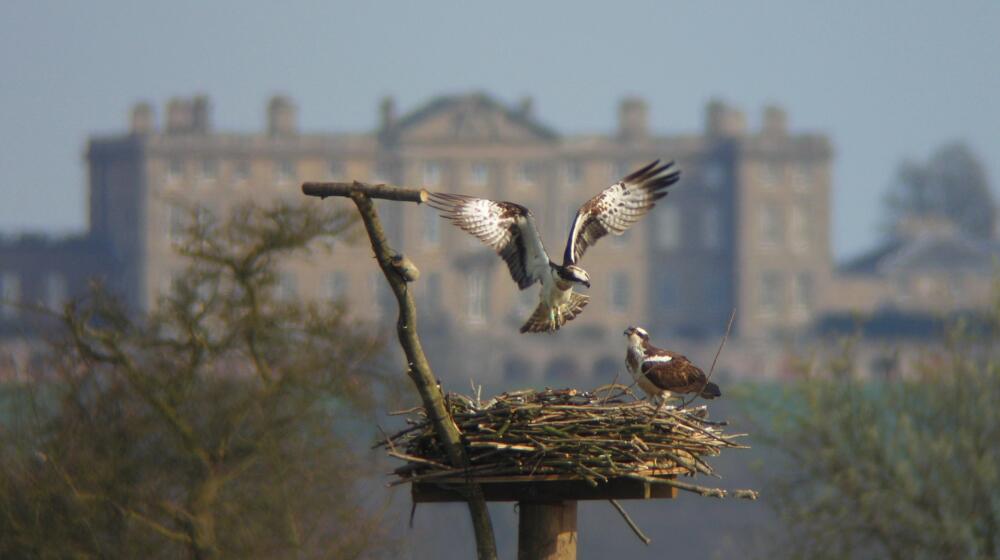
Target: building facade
745 229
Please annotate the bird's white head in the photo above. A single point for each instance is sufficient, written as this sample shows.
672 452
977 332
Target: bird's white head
576 274
636 335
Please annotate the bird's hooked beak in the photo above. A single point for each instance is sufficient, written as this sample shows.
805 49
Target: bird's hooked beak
628 331
586 283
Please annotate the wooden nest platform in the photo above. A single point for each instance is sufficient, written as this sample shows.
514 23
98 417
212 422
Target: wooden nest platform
562 445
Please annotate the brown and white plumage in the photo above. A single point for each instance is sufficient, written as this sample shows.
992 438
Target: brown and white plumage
510 230
661 373
506 227
619 206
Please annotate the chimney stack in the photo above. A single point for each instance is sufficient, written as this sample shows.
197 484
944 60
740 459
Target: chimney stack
281 116
200 114
142 120
187 116
179 116
723 120
775 121
633 119
387 113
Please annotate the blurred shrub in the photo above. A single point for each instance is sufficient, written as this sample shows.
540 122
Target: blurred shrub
218 425
901 469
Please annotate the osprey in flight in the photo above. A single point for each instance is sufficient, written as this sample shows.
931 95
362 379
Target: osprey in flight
510 230
660 373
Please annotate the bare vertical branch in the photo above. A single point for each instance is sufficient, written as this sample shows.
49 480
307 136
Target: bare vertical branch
420 373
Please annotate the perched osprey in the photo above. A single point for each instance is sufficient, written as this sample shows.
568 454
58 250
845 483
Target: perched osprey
510 230
661 373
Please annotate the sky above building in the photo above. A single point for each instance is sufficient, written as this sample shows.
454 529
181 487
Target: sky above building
885 80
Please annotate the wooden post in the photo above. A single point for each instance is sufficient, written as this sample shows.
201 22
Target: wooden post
546 530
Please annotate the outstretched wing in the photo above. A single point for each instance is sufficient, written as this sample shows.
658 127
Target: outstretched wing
506 227
618 207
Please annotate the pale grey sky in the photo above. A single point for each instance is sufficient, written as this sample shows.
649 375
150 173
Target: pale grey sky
886 80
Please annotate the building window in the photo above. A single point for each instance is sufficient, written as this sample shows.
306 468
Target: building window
476 297
10 295
432 174
771 174
241 171
714 175
668 227
619 289
771 226
801 176
209 170
803 292
527 174
431 228
479 175
667 290
177 223
55 290
573 172
337 284
285 171
288 286
204 214
798 229
336 170
711 228
175 171
716 292
771 288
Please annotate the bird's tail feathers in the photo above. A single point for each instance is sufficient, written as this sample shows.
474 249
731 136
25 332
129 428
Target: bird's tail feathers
576 304
710 391
542 320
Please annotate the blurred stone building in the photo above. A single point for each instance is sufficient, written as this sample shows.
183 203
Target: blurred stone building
926 266
746 228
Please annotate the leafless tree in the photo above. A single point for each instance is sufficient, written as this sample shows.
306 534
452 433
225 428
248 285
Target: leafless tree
906 468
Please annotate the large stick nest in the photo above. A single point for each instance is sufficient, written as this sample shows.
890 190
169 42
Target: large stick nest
594 436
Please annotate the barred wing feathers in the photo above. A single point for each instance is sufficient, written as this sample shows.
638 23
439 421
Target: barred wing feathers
506 227
619 206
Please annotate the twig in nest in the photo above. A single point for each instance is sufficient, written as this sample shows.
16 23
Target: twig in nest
613 383
631 524
718 351
574 434
388 440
